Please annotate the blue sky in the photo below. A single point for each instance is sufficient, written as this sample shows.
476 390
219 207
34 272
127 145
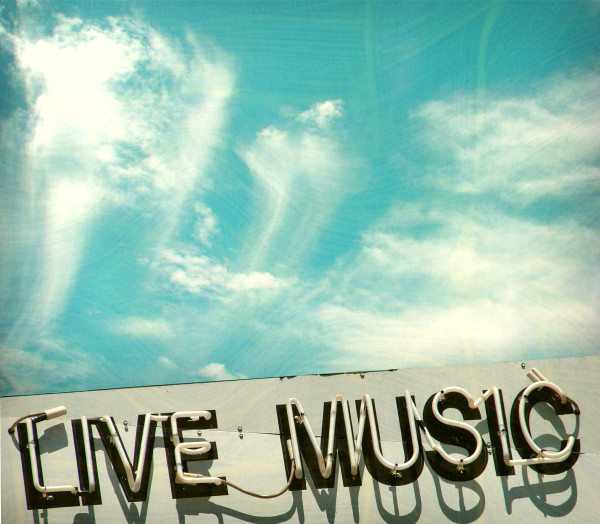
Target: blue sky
197 191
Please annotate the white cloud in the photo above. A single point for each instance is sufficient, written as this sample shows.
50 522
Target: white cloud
118 102
255 280
70 206
200 274
303 174
484 253
464 283
140 327
68 78
206 225
51 367
477 331
95 109
118 115
217 371
166 363
520 148
478 287
198 132
322 113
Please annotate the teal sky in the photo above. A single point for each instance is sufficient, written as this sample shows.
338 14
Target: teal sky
197 191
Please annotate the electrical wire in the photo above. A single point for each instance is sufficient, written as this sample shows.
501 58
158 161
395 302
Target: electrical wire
251 493
258 495
11 430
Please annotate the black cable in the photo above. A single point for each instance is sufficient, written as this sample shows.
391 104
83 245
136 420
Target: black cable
11 430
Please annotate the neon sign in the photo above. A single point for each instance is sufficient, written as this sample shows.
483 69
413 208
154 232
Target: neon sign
301 450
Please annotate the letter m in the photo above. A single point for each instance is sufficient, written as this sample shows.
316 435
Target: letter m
319 458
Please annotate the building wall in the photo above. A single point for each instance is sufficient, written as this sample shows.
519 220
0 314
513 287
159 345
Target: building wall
250 451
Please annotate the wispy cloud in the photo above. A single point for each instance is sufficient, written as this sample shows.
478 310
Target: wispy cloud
519 148
104 132
206 224
52 367
460 282
479 287
303 173
430 283
167 363
142 327
122 134
70 206
120 121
